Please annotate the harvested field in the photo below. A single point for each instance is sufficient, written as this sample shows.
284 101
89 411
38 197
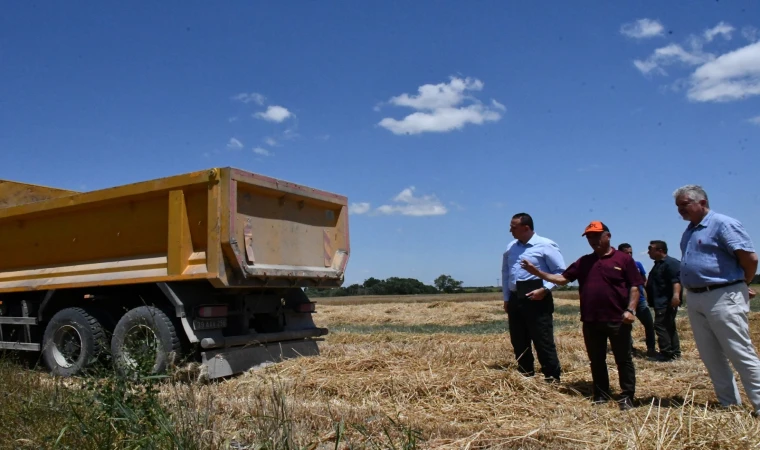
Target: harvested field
441 373
452 298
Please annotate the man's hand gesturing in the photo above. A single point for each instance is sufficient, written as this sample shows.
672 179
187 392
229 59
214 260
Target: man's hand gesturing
529 267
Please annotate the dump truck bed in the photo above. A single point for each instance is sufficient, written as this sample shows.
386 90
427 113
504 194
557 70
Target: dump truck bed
232 227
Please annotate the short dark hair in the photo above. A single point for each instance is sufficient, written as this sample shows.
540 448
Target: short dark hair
624 246
525 219
660 245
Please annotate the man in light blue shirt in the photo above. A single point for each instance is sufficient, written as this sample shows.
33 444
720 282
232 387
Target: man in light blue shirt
717 265
528 300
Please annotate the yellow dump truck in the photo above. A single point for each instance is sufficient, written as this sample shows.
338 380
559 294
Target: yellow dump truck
206 266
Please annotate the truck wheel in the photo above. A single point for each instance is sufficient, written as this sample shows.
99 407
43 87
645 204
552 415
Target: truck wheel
144 342
73 341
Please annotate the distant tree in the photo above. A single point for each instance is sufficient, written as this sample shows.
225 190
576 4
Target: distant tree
354 289
447 284
756 279
371 282
373 286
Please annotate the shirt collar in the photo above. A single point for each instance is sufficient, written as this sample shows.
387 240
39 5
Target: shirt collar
531 242
705 220
608 255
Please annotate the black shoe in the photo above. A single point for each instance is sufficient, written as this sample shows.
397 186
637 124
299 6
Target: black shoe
625 404
601 399
661 357
651 353
552 380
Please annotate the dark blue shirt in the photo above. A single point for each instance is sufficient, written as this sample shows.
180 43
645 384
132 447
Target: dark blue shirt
642 297
663 275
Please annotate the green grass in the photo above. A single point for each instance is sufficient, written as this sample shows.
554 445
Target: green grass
106 411
93 412
491 327
754 304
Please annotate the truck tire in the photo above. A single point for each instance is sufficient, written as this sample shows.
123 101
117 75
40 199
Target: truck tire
73 341
144 342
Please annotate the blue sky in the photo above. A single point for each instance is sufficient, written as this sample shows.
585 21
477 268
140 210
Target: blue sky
438 120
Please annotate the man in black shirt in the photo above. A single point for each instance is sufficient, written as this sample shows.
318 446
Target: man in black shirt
664 292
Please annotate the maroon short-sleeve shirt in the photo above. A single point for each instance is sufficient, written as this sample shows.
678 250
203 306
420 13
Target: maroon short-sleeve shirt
604 284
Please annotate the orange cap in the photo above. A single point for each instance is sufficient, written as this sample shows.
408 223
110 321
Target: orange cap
595 227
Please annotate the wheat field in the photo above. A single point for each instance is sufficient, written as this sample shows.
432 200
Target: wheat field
439 373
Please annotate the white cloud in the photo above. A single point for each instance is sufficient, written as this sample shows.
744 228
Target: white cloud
440 108
498 105
359 208
722 29
270 142
732 76
232 119
408 205
234 144
261 151
755 120
274 114
253 97
642 29
671 54
440 120
751 33
647 66
442 95
290 134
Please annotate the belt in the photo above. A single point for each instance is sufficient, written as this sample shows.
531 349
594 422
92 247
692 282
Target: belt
713 287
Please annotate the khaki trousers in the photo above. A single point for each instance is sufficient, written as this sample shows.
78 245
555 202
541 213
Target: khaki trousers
721 331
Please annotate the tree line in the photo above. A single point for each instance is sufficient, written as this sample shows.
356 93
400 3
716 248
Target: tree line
444 284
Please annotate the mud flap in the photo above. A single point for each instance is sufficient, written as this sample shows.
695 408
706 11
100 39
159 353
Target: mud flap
232 360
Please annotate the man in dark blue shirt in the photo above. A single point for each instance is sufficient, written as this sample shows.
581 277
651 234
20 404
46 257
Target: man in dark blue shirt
642 309
664 292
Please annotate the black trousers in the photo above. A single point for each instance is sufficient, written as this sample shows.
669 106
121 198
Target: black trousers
644 315
595 335
531 321
667 335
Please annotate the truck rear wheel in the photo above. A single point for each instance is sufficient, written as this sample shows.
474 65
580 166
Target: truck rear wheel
73 341
144 342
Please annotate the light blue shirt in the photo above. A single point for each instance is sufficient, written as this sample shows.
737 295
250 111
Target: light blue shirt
708 251
542 252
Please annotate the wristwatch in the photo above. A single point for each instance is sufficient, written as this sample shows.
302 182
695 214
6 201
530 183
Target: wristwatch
630 311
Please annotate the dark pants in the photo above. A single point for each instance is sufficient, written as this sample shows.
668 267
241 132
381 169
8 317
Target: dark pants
595 335
667 335
645 317
531 321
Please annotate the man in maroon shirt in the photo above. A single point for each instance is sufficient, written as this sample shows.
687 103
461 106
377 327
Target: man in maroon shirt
608 283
